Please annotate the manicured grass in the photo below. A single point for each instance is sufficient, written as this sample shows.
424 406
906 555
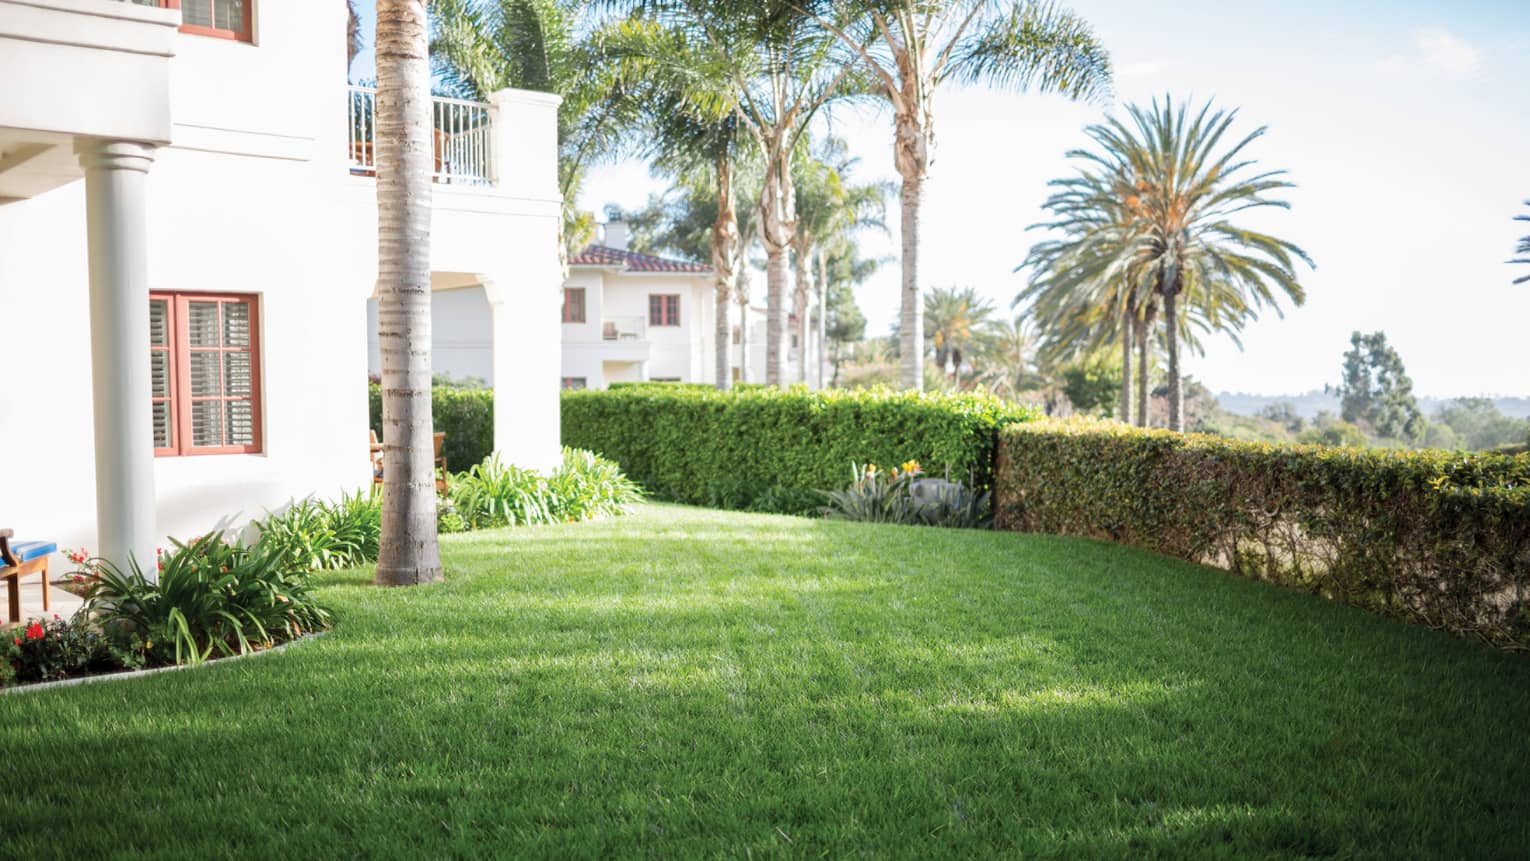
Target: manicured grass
686 683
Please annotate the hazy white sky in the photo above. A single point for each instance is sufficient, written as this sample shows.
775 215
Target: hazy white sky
1405 124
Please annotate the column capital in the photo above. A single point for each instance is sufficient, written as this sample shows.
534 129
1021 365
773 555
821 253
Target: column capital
114 155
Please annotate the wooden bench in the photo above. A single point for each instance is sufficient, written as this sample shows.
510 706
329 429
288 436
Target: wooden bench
19 559
438 440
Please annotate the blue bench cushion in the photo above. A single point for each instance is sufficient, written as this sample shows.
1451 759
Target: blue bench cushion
26 551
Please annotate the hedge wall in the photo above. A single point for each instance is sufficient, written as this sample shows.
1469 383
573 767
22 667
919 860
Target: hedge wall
772 449
1436 538
466 415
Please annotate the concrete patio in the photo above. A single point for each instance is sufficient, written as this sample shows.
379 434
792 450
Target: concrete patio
59 601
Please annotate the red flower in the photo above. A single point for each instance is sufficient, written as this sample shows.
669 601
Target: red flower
18 641
35 631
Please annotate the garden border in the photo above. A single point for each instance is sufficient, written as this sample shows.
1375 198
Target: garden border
133 674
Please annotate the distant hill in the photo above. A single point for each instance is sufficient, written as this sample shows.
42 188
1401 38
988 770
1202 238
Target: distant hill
1309 404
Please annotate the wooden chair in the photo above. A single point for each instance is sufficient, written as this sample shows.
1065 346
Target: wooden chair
438 440
19 559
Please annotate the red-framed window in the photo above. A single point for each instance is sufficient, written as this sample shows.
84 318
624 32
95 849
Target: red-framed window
222 19
664 309
204 353
573 304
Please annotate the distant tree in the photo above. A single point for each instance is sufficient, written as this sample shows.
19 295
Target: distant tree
845 324
953 316
909 48
1151 207
1376 389
1523 249
1327 430
353 37
1092 385
1284 412
1477 423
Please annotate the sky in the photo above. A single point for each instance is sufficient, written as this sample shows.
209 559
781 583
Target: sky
1405 125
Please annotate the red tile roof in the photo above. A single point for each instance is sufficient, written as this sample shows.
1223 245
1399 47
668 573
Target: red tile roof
600 255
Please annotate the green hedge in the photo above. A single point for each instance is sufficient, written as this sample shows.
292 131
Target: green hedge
466 415
1437 538
774 450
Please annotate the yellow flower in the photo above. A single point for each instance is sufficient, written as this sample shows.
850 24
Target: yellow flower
911 467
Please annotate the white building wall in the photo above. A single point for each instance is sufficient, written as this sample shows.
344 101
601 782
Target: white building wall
254 196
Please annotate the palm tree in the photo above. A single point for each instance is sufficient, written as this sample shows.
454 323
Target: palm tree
911 47
1167 172
831 207
408 553
693 136
480 46
955 315
1522 248
780 75
353 43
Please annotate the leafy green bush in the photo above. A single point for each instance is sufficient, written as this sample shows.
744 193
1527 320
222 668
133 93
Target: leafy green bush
774 449
210 596
1438 538
492 494
586 486
313 535
465 415
497 494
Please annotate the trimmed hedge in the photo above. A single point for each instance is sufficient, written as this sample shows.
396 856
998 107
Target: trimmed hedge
466 415
1437 538
775 449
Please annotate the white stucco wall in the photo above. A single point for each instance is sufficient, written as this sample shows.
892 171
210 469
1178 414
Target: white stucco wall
253 196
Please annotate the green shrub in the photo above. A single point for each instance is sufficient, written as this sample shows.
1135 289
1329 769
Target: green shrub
492 494
774 449
466 416
1438 538
496 494
313 535
210 596
586 486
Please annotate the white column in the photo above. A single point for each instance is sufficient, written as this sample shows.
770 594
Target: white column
526 360
115 214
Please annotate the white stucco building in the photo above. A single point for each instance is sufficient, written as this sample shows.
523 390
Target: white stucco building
187 248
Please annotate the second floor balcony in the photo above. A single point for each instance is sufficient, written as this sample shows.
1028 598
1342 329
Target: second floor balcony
463 133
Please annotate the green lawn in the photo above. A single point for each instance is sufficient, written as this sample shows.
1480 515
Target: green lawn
686 683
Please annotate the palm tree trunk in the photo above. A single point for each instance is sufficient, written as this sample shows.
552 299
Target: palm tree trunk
911 313
1126 367
775 314
741 297
1144 369
724 253
408 552
823 314
800 308
1171 343
777 227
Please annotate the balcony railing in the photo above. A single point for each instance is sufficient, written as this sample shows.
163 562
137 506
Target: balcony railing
623 328
463 138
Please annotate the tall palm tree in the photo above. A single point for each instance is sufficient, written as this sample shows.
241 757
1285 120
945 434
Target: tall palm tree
831 207
955 315
409 552
690 134
1522 248
1166 168
909 48
781 75
353 41
480 46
